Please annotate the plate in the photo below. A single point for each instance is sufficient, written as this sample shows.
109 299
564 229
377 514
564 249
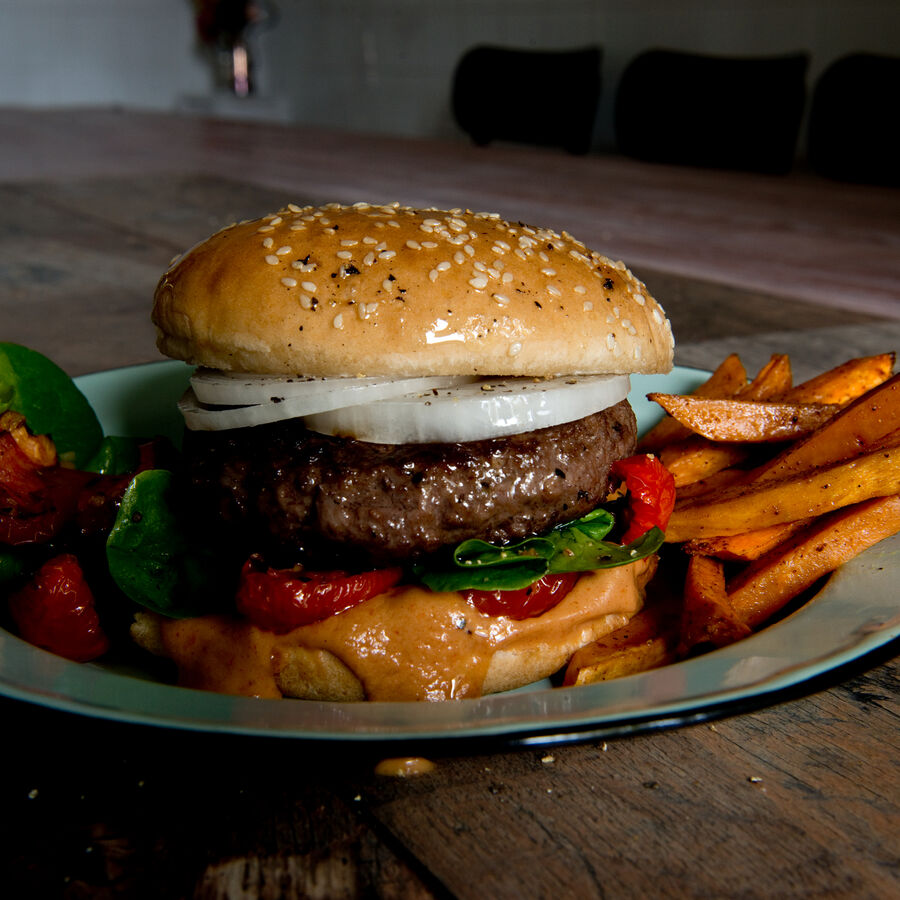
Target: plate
857 612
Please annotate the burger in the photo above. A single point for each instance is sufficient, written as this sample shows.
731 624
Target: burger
401 432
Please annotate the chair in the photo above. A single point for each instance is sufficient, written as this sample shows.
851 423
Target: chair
852 133
712 111
542 97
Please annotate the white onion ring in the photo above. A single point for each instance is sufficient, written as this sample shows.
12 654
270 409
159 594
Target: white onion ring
485 409
274 398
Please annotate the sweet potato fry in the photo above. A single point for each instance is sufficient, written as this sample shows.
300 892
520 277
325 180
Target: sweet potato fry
646 642
768 584
696 458
699 458
715 482
868 421
748 546
745 421
746 507
728 378
772 381
707 617
845 382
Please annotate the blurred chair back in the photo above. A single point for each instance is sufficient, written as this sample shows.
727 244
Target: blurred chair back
542 97
853 133
712 111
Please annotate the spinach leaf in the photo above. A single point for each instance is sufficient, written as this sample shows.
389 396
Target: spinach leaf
115 456
41 391
153 557
577 546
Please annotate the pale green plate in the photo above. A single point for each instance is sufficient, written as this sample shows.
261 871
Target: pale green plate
857 612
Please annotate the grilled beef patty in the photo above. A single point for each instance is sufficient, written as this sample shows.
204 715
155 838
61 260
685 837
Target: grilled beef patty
325 500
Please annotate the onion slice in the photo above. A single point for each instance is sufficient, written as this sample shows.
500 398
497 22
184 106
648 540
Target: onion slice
242 401
485 409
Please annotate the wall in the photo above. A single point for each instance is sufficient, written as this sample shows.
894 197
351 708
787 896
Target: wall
386 65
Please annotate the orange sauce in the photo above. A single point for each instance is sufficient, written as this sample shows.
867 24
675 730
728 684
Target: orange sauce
406 644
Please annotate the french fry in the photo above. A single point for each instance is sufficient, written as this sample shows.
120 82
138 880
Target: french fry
745 421
728 378
746 507
715 482
766 586
698 458
646 642
748 546
845 382
772 381
869 420
707 617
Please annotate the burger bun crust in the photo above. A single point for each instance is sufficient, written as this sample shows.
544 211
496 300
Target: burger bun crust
391 291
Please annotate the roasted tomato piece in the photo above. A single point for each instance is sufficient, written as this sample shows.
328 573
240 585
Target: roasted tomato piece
56 611
280 600
524 603
651 494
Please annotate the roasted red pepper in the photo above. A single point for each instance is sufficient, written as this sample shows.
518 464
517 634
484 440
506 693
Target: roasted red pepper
56 611
524 603
280 600
651 494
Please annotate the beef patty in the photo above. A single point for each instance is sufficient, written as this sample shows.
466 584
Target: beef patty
327 500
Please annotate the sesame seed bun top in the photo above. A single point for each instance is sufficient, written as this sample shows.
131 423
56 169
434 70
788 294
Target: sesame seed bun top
394 291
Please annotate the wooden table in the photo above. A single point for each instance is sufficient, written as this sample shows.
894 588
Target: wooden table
798 798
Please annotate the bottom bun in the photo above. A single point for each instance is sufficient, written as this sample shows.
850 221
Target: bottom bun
406 644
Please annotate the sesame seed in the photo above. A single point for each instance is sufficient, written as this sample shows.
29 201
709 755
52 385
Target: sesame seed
588 306
387 254
299 227
370 240
433 274
309 286
479 282
479 266
394 224
306 301
264 228
349 242
521 253
502 299
387 284
639 299
459 257
469 249
515 348
610 341
414 245
268 243
289 282
338 321
442 266
283 251
368 259
429 245
553 290
294 208
272 260
276 221
548 271
507 277
580 289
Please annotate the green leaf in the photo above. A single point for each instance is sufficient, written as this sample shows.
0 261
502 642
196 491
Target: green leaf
577 546
153 558
115 456
41 391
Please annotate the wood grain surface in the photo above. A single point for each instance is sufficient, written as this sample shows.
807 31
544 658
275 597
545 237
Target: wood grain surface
796 798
